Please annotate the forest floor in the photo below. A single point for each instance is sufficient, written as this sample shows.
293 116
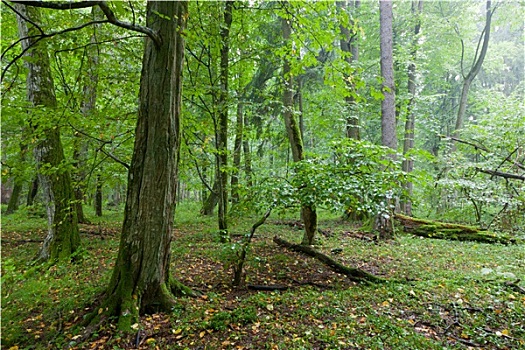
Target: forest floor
441 294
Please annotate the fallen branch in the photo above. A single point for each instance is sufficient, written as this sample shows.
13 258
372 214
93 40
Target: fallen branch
356 275
442 230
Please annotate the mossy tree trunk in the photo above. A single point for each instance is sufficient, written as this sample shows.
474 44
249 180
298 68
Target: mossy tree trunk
141 278
308 212
63 237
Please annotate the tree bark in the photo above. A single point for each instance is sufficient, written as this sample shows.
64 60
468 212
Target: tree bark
141 278
63 237
408 143
388 106
308 212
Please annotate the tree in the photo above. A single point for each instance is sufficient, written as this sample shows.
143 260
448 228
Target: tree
474 69
383 222
222 132
408 143
63 237
308 212
87 109
141 279
348 44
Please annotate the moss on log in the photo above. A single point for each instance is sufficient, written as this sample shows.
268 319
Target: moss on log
456 232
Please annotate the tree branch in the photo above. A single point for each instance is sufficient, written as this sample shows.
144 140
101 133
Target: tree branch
64 5
502 174
113 20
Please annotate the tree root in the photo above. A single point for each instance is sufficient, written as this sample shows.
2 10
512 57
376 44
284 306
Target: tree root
356 275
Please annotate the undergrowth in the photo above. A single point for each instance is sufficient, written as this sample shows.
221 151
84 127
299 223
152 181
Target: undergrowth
442 294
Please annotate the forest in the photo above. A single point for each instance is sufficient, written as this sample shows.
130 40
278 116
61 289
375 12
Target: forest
263 174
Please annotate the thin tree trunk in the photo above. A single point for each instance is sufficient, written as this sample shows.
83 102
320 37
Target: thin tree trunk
348 44
247 157
408 144
474 70
222 135
141 279
308 213
98 197
63 237
237 149
87 109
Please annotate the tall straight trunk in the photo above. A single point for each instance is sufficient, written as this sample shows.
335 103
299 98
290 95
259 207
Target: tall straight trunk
141 277
408 144
308 213
474 69
222 135
87 109
237 150
383 221
63 236
388 106
348 44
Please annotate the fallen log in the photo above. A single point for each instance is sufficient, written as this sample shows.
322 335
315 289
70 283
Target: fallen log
356 275
443 230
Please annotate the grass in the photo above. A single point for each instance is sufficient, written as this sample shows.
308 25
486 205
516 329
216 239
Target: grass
442 294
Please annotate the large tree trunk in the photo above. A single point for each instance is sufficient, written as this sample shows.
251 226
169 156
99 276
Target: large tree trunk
141 278
348 44
308 213
408 144
474 70
383 222
63 237
222 134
